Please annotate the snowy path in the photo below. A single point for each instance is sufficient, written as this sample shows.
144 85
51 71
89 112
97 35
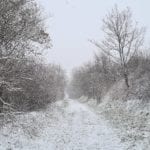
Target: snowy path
73 127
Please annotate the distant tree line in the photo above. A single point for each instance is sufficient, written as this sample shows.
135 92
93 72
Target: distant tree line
26 83
94 78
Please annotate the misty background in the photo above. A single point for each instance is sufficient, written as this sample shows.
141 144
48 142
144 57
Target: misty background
71 23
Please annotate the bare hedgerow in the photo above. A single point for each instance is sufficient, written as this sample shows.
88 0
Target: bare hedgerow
25 82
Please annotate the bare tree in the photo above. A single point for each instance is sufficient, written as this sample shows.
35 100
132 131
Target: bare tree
123 38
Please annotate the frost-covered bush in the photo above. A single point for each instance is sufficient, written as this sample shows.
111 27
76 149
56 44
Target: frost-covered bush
32 85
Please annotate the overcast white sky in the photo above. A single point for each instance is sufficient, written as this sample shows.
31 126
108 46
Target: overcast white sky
76 21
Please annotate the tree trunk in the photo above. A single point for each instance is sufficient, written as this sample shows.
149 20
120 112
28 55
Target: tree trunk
126 80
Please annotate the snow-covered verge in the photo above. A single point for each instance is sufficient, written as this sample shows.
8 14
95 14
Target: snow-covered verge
27 131
65 125
132 120
130 117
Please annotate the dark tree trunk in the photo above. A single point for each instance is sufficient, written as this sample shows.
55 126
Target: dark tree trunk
126 80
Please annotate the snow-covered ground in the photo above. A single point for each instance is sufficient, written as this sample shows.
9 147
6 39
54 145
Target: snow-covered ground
130 118
65 125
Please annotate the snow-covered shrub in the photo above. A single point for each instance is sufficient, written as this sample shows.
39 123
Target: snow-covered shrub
32 85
